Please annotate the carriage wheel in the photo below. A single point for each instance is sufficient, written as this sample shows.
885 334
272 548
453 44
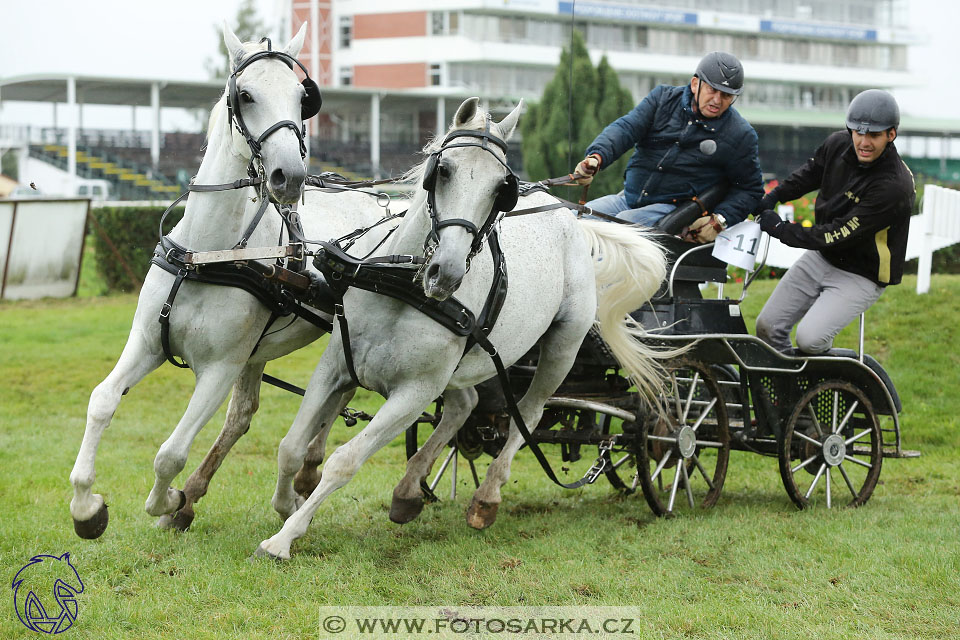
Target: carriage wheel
832 447
685 444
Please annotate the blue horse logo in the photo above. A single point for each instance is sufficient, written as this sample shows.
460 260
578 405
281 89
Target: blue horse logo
38 578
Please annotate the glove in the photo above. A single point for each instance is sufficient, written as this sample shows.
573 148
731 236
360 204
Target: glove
703 230
767 203
587 168
770 222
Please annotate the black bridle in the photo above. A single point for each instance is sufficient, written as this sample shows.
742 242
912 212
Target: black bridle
309 105
505 200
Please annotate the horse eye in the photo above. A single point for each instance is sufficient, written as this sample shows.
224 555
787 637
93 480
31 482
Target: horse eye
443 171
246 97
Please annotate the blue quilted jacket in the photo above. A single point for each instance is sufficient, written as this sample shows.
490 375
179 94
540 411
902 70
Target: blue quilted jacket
678 155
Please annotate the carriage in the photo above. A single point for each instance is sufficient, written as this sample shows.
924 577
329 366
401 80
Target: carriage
829 419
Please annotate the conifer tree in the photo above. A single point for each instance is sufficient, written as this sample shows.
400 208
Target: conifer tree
557 130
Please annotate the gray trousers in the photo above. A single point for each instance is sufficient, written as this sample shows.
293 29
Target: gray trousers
818 296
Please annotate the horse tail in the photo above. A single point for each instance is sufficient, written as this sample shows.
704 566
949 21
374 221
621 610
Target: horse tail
629 268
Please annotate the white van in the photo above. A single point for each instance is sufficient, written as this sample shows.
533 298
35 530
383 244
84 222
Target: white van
94 189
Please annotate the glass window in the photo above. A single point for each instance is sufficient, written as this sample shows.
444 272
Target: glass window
346 31
346 76
435 75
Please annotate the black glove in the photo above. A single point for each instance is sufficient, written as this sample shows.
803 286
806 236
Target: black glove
770 222
767 202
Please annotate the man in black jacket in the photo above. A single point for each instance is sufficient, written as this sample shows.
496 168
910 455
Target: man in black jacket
859 238
685 140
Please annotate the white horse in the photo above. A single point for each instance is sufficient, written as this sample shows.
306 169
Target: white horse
564 274
216 328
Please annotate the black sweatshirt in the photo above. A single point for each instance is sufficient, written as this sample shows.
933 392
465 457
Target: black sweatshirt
862 211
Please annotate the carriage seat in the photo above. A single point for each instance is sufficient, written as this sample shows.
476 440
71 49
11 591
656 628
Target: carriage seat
868 360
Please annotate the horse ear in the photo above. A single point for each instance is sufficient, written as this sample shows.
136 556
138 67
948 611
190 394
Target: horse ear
466 112
234 46
509 124
296 44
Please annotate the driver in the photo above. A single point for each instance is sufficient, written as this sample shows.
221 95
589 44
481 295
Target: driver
860 237
686 139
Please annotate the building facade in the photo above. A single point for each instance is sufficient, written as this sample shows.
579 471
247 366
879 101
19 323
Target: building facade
804 59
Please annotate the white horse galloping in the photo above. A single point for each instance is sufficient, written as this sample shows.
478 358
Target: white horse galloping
564 274
216 328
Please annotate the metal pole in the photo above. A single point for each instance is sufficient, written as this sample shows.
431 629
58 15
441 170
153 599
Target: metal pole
375 135
72 130
155 125
441 116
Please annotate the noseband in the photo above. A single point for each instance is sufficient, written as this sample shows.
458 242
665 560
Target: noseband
309 105
506 198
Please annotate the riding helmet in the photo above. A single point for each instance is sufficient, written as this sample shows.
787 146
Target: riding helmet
873 110
722 71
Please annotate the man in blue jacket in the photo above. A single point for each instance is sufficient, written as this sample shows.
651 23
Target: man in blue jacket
686 140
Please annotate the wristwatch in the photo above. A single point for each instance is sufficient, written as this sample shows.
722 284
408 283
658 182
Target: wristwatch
721 222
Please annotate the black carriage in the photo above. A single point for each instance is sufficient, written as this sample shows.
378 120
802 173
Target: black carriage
829 419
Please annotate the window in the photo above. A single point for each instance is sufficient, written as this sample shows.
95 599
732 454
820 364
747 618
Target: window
346 76
435 75
346 31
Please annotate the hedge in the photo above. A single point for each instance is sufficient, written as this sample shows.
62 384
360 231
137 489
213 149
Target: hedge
124 239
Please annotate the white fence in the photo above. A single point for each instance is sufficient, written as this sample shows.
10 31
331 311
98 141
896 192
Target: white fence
937 226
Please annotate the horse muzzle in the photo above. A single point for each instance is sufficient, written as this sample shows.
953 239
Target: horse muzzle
286 184
440 283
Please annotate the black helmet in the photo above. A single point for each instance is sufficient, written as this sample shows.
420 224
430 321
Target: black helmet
722 71
873 110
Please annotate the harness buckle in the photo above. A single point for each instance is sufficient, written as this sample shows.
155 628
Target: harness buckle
165 311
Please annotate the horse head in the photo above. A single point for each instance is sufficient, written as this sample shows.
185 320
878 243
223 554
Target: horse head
468 183
267 104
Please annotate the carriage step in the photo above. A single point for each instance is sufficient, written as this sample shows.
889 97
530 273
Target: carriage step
903 453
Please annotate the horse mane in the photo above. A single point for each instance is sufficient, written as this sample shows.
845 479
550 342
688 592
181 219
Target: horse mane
477 123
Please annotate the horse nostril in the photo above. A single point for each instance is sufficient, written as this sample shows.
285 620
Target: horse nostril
433 271
277 179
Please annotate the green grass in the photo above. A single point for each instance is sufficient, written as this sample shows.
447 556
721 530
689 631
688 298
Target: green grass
752 567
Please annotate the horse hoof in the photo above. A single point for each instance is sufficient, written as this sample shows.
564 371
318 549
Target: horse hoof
480 514
182 519
94 527
263 553
183 501
404 510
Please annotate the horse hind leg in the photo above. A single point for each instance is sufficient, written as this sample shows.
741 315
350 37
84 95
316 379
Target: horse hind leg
244 403
558 350
407 500
88 509
213 385
308 477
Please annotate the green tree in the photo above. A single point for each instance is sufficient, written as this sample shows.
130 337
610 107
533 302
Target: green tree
248 26
556 130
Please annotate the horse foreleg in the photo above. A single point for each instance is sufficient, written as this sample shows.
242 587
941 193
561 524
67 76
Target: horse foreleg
558 350
400 409
307 477
407 496
244 403
88 509
213 384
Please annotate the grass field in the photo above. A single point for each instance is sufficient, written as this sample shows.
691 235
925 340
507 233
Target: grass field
752 567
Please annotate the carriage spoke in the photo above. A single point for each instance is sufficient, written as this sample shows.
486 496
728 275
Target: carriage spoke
860 462
703 472
857 437
834 411
828 488
816 479
816 423
710 444
662 439
473 470
804 463
616 465
689 400
703 414
847 416
443 467
660 465
673 489
676 395
803 436
686 484
847 480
